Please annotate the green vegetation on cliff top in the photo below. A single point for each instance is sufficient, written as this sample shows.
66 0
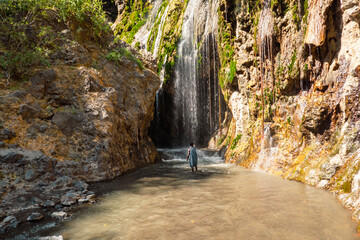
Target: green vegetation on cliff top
135 15
26 37
132 19
226 49
155 27
117 54
171 36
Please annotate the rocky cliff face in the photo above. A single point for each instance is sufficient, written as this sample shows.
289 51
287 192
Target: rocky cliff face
84 117
182 36
295 95
289 74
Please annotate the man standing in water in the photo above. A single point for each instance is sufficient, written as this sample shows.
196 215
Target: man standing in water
192 156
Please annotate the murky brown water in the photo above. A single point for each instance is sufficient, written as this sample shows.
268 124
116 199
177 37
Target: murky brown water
167 201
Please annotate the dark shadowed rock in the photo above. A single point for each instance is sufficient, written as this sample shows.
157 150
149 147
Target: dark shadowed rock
43 128
73 194
80 185
32 131
35 216
316 119
29 112
30 175
68 200
67 122
63 181
6 134
49 203
9 219
8 223
10 155
14 145
19 94
35 200
38 82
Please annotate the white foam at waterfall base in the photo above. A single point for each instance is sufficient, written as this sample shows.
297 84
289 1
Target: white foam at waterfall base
205 158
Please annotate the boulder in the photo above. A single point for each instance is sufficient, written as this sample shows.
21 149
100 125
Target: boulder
49 203
67 122
39 80
80 185
43 128
32 131
30 175
61 182
68 200
35 200
318 14
73 195
14 145
6 134
9 219
29 112
83 200
19 94
316 119
10 155
323 184
35 216
91 196
9 222
59 215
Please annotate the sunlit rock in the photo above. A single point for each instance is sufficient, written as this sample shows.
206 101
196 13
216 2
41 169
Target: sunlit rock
316 30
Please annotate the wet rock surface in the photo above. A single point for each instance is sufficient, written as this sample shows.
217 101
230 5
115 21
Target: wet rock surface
35 216
295 108
83 118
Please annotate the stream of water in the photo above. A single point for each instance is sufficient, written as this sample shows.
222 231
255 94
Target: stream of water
220 201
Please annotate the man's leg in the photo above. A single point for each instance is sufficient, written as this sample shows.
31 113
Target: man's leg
196 168
192 169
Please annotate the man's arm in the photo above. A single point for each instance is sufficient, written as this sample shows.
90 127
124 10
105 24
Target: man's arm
187 158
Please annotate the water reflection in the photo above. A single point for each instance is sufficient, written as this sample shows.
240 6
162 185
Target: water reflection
168 201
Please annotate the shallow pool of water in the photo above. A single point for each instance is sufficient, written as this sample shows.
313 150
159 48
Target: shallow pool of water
220 201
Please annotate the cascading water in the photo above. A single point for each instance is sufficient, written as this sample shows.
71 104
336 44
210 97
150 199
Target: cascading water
159 101
143 34
196 98
265 41
268 152
159 32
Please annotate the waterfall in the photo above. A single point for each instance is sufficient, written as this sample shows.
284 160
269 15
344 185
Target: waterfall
268 153
143 34
265 42
159 32
196 99
159 97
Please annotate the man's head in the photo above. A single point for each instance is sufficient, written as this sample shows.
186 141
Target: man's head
191 144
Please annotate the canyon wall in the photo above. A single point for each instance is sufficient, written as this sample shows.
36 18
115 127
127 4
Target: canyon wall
289 72
295 95
182 36
81 114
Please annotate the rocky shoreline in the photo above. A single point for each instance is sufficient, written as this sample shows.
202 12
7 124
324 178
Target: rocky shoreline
79 119
44 187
